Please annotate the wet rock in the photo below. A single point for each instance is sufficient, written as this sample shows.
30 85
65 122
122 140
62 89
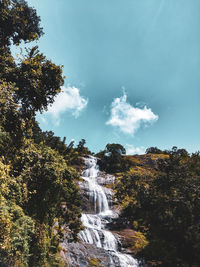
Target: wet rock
105 179
127 239
80 255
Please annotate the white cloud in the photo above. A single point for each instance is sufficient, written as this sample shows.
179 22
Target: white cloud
69 99
131 150
128 118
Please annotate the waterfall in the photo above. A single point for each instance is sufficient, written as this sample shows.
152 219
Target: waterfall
95 224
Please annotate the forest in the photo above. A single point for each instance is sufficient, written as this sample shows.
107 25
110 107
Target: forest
159 194
40 200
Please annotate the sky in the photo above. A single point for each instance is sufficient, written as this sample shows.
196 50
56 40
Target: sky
132 72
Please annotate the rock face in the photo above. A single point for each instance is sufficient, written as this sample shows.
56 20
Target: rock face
83 254
98 246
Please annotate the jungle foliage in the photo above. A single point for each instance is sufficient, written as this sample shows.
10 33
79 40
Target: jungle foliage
164 205
38 184
111 159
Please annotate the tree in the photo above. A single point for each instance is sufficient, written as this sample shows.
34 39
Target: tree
153 150
11 121
18 22
38 81
80 145
111 159
165 207
115 149
38 190
81 149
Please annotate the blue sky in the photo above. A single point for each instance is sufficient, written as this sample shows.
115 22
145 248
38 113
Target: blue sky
132 71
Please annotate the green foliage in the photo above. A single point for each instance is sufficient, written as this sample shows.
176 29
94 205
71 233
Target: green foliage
81 145
166 208
16 229
73 156
49 182
140 242
115 149
38 81
18 22
81 149
112 160
11 121
22 232
153 150
39 196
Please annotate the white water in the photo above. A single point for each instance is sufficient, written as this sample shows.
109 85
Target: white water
95 232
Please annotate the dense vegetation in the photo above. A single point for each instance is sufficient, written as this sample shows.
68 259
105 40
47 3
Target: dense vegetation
160 198
38 186
111 159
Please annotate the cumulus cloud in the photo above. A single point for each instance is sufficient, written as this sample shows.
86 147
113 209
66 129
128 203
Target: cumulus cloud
69 99
128 118
131 150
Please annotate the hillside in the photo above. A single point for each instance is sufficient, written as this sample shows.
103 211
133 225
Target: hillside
159 199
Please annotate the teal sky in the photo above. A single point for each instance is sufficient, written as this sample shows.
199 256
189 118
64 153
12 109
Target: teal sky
132 71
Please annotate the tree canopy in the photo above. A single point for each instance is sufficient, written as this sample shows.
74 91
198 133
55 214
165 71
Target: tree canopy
18 22
39 196
111 158
165 207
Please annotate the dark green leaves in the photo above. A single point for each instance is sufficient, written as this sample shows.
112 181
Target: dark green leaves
18 22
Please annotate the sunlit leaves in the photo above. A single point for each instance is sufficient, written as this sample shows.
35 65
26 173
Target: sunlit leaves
166 207
18 22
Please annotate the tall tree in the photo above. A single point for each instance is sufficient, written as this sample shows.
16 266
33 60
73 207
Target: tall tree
38 190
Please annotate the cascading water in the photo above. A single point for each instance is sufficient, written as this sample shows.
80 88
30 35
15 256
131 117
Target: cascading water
95 232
